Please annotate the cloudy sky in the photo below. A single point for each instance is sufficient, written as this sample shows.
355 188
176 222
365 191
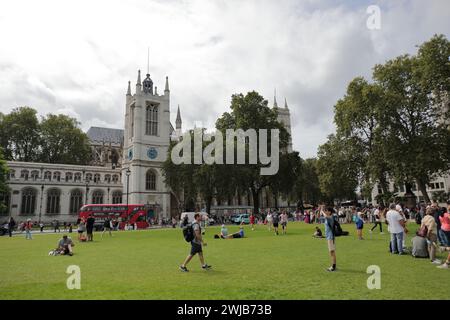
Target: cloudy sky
76 57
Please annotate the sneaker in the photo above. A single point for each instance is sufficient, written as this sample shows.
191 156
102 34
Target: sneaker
184 269
381 232
444 266
206 267
436 261
70 254
331 269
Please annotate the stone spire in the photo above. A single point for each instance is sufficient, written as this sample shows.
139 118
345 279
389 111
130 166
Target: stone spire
129 89
275 105
178 120
167 85
138 83
285 104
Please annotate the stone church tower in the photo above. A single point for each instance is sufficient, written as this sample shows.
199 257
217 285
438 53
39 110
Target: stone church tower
284 116
146 142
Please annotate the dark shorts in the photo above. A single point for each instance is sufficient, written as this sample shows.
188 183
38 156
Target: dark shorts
284 224
89 230
275 224
237 235
195 248
80 231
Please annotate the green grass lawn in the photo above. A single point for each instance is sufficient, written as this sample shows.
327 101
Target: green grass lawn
144 265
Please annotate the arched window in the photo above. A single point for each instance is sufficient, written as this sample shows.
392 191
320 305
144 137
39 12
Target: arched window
53 200
150 180
76 201
97 197
34 175
115 178
77 176
24 174
96 178
69 176
88 176
28 201
11 174
47 175
5 198
151 120
57 176
132 121
117 197
107 178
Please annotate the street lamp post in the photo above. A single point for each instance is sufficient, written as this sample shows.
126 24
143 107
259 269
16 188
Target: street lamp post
128 172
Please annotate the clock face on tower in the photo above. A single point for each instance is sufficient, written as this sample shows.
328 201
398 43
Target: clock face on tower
152 153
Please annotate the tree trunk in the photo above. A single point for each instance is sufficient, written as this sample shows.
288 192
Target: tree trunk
255 195
423 189
208 202
384 187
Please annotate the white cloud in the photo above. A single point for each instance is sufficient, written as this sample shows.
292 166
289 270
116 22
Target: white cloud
76 57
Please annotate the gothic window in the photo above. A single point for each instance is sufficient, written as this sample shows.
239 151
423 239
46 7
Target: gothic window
115 178
76 201
117 197
24 174
96 178
28 201
77 176
34 175
53 200
151 120
11 174
69 176
150 180
107 178
48 175
97 197
57 176
132 121
88 176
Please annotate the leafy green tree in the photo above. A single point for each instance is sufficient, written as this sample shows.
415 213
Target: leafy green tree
62 141
307 186
20 134
338 176
4 189
414 131
251 112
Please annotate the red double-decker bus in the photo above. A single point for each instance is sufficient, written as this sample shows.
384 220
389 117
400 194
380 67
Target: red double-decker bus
132 214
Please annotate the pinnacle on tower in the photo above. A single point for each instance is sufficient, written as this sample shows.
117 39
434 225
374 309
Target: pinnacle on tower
139 78
129 89
178 120
167 85
275 105
285 104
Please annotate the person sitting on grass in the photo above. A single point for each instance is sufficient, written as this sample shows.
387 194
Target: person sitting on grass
65 246
446 264
318 233
419 246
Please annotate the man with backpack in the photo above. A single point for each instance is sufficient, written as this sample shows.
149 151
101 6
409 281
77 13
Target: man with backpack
275 221
193 234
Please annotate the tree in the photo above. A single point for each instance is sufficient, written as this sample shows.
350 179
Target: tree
307 186
4 189
20 135
338 175
415 135
62 141
251 112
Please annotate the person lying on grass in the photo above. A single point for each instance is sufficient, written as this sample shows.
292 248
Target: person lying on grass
224 234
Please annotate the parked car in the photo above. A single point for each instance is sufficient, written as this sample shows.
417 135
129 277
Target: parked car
242 218
4 229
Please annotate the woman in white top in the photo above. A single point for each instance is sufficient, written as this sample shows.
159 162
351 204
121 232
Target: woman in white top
269 220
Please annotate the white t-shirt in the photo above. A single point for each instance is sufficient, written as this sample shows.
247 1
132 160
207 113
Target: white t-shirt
394 218
376 213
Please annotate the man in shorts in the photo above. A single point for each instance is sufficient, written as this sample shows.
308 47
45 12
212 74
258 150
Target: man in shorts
284 221
329 234
196 245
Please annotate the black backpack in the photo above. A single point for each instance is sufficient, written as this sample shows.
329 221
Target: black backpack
188 233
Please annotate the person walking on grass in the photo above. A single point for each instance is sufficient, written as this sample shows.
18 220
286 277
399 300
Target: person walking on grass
359 225
275 221
11 225
90 228
284 221
196 245
269 220
377 216
107 226
330 236
28 227
252 221
396 225
429 224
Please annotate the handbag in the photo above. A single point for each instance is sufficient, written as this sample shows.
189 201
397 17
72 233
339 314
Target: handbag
423 231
